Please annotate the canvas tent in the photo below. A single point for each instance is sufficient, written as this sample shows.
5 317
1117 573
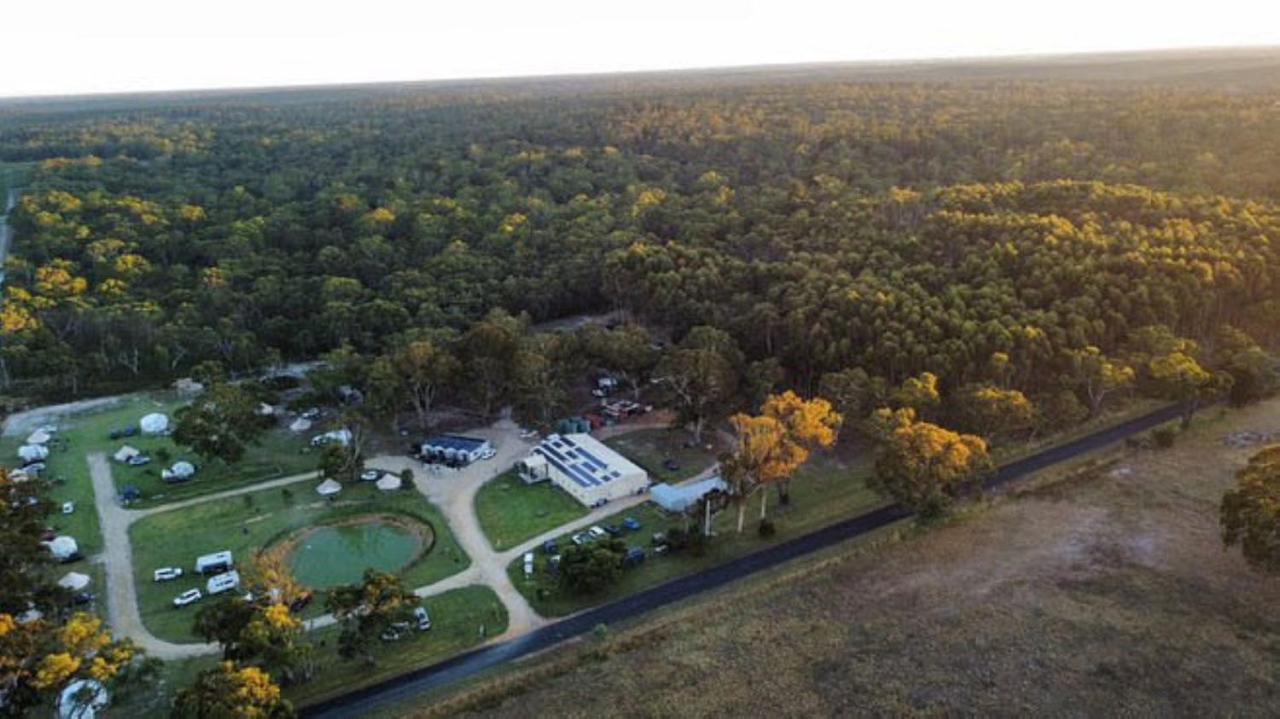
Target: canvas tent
154 423
63 548
338 436
74 581
33 452
301 424
83 699
39 437
328 488
390 483
178 472
125 453
679 499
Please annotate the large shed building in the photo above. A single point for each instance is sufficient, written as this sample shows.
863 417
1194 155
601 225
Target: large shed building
584 467
454 448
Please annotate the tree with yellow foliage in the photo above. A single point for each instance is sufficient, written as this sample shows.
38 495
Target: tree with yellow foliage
39 657
770 447
922 465
1179 377
230 692
992 411
1098 376
1250 512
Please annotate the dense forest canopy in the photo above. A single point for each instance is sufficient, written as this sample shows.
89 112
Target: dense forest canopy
892 225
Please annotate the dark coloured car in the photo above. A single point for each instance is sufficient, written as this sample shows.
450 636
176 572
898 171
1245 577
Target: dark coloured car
671 465
549 547
613 530
631 524
633 557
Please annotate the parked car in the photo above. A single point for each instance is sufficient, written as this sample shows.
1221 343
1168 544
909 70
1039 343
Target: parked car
633 557
597 532
390 634
658 538
528 564
191 596
613 530
138 460
422 618
301 602
632 524
82 598
549 547
371 475
581 538
167 574
311 414
489 453
35 468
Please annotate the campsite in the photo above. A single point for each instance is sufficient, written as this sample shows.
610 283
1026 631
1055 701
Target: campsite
268 518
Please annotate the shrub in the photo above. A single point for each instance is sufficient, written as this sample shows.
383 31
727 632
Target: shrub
767 529
1164 436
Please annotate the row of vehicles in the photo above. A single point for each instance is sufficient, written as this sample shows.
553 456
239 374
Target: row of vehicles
219 567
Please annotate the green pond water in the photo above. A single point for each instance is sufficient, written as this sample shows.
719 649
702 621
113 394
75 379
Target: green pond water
339 555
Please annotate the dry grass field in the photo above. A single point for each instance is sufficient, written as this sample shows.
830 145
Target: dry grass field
1107 593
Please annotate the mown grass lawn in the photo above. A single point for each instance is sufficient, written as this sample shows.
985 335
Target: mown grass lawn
246 523
652 448
277 453
825 491
456 620
511 511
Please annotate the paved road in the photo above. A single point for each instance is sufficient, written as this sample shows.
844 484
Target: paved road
407 686
5 232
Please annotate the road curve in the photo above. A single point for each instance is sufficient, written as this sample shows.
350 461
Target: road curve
370 699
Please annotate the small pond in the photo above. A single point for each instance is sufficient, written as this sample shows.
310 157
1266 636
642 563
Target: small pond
338 554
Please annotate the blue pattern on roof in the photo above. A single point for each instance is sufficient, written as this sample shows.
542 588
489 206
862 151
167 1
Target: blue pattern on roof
455 442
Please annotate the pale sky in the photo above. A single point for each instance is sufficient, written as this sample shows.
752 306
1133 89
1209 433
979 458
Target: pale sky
75 46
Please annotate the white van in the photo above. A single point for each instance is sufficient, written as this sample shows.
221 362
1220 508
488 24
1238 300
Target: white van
223 583
528 564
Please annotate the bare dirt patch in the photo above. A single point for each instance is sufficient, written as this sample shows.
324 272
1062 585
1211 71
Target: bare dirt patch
1106 594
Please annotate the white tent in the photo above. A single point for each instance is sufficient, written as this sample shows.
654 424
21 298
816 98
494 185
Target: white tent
301 424
338 436
63 548
328 488
679 498
17 476
33 452
180 470
83 699
265 410
390 482
125 453
154 423
39 437
74 581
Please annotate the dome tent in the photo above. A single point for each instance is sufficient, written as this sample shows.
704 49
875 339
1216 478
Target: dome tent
154 423
83 699
389 483
63 548
74 581
181 470
33 452
328 488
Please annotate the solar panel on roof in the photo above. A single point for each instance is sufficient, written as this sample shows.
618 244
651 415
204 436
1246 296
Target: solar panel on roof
592 458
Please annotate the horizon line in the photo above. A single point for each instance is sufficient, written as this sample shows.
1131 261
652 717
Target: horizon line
996 58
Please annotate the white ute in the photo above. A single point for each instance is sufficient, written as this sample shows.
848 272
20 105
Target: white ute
166 574
191 596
